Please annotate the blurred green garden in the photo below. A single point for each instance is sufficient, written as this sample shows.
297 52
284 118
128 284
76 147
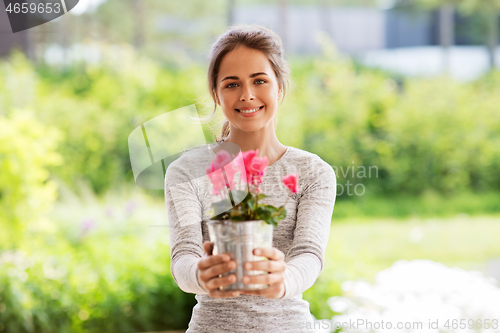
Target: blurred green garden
83 249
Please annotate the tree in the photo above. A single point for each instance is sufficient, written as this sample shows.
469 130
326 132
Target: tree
489 9
446 31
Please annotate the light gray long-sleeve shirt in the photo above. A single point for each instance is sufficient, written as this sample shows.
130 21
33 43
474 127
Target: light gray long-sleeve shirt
302 236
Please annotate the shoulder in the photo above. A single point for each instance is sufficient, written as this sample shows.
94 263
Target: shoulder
309 163
190 164
316 177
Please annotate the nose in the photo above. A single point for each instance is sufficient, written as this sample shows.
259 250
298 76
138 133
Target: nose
247 94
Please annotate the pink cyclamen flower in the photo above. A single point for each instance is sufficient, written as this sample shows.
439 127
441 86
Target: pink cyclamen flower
291 181
249 155
230 171
221 172
243 162
239 164
252 167
258 168
216 178
222 158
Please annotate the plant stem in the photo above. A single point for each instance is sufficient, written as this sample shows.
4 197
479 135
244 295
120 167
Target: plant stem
227 188
256 199
288 197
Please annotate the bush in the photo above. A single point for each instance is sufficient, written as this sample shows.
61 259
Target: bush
92 266
436 134
27 148
96 108
67 274
93 286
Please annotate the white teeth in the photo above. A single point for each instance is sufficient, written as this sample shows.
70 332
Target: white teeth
250 111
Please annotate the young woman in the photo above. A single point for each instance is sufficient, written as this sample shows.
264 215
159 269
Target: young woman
247 78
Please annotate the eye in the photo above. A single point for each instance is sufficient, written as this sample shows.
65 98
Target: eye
260 81
231 85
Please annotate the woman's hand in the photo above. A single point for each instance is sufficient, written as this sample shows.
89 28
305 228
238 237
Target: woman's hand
209 268
275 266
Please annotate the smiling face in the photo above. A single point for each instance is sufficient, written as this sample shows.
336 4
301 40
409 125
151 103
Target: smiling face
248 90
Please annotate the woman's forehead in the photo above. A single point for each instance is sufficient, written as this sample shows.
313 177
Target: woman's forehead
245 61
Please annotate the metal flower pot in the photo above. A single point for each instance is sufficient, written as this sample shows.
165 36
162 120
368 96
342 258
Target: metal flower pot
238 239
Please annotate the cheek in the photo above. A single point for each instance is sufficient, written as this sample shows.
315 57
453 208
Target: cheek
226 104
272 92
271 96
226 97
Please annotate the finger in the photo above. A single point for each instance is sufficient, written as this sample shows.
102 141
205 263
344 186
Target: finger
212 260
269 252
263 278
216 270
208 248
265 265
215 283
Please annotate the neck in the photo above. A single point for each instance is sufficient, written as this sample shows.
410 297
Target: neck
265 140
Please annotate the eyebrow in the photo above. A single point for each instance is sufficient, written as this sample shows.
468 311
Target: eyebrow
237 78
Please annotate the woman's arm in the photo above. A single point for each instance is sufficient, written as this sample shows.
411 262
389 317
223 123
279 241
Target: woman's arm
305 259
184 211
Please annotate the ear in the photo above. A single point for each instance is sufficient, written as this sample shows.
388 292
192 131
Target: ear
217 100
280 93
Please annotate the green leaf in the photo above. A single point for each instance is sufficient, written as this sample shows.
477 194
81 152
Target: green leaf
270 208
251 204
262 196
238 218
263 213
271 220
281 215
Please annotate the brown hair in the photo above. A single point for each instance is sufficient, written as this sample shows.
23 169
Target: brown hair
254 37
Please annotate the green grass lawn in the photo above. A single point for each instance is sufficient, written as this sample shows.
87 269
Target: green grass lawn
428 204
358 248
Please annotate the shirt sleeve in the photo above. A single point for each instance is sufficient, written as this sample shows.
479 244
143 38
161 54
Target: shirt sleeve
305 259
184 211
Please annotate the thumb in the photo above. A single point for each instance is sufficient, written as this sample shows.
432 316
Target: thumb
208 247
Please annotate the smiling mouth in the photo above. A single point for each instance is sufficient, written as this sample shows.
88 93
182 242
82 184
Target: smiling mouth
250 111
